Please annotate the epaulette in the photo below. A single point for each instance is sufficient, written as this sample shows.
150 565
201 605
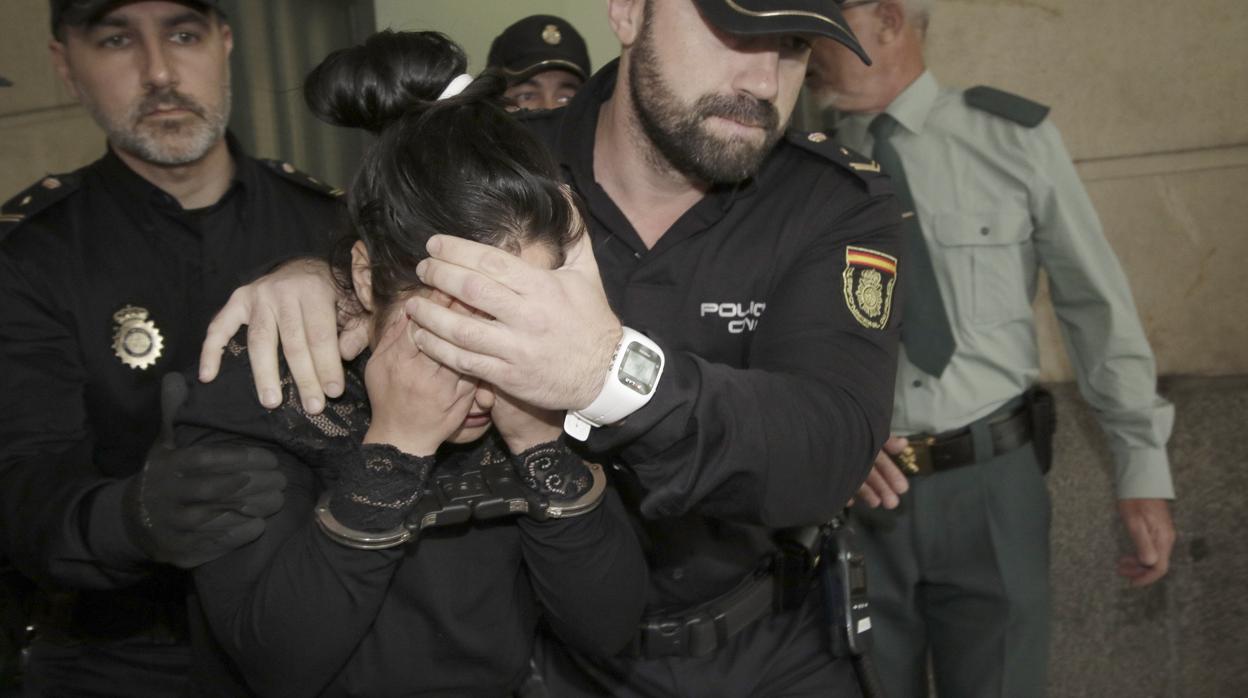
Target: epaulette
288 171
1000 103
829 148
35 199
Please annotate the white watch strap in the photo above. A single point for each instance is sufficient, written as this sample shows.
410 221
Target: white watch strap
632 380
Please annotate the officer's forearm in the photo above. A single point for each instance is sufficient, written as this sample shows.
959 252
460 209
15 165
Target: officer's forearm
60 531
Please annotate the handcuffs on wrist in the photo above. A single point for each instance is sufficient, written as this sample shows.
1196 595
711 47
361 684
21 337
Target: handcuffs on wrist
489 491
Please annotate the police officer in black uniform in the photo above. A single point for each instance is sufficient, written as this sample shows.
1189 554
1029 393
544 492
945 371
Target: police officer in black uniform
544 59
763 267
108 278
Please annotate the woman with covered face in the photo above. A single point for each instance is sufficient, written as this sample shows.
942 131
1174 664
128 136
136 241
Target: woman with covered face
326 602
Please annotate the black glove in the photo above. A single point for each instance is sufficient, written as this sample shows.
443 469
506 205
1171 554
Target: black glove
190 506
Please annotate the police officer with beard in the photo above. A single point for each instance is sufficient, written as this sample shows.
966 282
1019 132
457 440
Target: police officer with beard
108 278
741 281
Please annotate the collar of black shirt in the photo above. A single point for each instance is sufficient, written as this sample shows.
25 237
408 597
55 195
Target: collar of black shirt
133 187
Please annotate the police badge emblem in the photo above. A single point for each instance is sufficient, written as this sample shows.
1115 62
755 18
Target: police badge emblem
136 341
552 35
868 283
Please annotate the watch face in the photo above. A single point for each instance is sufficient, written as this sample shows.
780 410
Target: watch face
639 368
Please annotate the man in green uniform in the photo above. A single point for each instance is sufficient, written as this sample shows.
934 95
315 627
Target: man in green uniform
958 555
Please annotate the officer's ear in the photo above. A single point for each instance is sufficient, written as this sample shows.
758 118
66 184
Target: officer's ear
892 20
60 62
362 275
626 17
227 35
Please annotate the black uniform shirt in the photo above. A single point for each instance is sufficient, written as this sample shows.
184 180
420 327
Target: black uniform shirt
79 249
781 347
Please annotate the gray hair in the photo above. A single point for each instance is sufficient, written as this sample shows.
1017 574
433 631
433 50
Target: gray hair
918 11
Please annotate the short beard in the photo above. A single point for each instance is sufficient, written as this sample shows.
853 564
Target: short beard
167 143
678 132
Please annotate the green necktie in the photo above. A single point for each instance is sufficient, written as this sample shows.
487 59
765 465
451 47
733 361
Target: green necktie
924 325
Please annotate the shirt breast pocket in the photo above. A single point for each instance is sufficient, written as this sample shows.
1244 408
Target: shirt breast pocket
986 256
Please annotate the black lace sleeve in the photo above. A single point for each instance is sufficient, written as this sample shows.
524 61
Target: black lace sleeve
553 470
372 486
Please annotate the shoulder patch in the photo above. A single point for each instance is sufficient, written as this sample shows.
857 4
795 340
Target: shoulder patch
826 146
1006 105
287 171
35 199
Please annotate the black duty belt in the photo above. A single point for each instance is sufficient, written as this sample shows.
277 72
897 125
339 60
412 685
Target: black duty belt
933 453
781 582
700 630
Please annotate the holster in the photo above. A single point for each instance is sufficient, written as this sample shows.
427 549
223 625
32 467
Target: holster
1043 410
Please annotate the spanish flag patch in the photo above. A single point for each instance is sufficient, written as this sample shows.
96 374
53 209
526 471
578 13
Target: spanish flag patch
868 282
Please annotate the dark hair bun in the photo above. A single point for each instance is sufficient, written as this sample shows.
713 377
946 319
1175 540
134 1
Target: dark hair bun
371 85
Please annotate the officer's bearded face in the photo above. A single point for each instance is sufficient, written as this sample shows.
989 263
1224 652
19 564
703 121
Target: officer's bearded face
720 136
156 77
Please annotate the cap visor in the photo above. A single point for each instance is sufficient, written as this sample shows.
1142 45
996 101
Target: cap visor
732 18
542 66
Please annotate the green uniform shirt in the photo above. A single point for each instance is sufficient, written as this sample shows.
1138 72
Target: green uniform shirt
996 201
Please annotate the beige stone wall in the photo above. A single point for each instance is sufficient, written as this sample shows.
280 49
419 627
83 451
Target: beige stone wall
42 129
1151 98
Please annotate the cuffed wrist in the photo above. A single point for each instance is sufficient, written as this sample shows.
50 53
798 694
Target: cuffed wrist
378 486
553 470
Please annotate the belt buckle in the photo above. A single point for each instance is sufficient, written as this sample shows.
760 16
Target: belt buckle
664 638
691 636
916 457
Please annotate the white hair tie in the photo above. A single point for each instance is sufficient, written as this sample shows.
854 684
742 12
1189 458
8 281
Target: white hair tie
457 85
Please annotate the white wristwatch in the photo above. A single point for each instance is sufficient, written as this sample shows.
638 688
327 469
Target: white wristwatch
634 375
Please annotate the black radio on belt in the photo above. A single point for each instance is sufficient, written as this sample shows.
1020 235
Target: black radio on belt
844 577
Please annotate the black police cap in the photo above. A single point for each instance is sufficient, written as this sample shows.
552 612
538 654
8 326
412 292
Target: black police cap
82 11
536 44
755 17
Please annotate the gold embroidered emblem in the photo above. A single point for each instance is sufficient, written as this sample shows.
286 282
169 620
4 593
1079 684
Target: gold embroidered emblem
552 35
136 341
868 282
870 293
